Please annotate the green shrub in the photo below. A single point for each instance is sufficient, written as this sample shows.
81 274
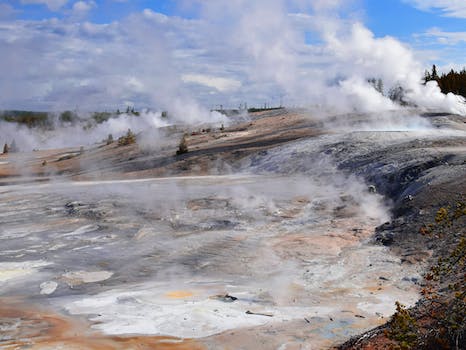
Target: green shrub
403 328
183 146
128 139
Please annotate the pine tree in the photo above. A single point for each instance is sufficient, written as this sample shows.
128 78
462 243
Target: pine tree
454 82
109 139
379 87
427 76
434 75
397 94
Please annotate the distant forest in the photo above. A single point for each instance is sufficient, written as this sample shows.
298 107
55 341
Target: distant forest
453 81
48 120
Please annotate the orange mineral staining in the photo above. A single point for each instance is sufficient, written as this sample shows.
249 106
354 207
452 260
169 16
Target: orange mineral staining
179 294
27 327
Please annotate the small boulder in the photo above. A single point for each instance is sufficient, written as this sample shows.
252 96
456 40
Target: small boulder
387 238
47 288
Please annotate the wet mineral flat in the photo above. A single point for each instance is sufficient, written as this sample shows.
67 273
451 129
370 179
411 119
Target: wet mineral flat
228 260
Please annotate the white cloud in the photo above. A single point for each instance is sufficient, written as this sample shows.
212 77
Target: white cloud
62 64
221 84
446 38
53 5
442 48
450 8
81 8
6 11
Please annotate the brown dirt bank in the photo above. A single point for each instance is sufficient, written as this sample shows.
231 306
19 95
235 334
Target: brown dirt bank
210 151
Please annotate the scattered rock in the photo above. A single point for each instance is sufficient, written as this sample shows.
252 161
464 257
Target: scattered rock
144 232
258 314
218 225
47 288
387 238
226 298
76 278
408 198
207 203
410 260
85 210
411 279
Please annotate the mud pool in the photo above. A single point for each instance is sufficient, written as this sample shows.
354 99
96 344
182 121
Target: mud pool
237 260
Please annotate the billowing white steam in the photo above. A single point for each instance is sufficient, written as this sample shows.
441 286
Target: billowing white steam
332 68
87 133
306 52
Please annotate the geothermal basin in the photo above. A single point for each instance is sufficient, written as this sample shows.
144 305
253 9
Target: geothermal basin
237 260
263 239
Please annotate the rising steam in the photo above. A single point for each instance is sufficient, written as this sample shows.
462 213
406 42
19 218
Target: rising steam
309 53
332 65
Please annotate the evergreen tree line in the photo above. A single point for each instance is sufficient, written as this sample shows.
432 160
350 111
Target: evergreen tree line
452 81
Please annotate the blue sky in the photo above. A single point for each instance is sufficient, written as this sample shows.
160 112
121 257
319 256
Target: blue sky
108 53
399 18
